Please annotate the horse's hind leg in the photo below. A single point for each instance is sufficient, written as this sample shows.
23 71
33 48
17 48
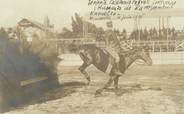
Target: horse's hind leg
83 71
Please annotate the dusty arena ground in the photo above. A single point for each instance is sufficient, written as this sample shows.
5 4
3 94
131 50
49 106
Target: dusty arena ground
157 89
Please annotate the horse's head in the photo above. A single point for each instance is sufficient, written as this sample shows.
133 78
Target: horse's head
143 53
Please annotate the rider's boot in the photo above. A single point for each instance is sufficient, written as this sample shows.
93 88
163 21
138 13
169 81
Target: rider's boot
116 70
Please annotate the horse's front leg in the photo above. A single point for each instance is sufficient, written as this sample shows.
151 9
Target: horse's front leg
87 59
83 71
99 91
116 79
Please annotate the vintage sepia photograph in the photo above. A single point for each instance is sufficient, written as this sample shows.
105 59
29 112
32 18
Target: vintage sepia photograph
91 57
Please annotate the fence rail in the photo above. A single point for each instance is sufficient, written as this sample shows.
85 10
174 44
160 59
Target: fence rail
155 46
161 46
162 52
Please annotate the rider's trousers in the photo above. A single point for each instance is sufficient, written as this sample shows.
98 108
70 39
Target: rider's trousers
113 52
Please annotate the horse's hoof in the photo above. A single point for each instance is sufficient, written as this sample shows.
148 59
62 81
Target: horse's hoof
98 92
97 95
120 92
88 83
116 88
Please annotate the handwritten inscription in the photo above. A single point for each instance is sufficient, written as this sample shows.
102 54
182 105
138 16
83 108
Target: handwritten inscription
122 9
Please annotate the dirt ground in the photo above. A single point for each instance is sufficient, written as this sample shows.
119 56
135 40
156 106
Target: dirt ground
157 89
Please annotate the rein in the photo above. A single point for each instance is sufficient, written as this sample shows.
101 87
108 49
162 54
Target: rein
130 56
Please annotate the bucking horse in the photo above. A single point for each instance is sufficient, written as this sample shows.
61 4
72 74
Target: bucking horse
102 60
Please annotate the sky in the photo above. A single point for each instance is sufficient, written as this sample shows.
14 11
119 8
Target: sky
60 12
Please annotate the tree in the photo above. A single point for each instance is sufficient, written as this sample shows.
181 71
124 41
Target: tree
145 36
3 33
134 35
66 33
155 34
79 22
74 26
78 25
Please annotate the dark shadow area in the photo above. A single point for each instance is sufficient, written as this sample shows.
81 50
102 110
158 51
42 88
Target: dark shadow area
53 93
27 70
73 84
124 89
61 91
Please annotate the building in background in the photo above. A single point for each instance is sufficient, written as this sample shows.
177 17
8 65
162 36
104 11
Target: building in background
30 29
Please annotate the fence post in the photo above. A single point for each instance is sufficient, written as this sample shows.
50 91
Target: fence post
153 47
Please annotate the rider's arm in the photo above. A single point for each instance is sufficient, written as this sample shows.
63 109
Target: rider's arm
106 38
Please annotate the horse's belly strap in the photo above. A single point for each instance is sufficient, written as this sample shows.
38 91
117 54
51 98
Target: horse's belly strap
108 70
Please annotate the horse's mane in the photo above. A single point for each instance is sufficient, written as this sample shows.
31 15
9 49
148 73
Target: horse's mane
136 49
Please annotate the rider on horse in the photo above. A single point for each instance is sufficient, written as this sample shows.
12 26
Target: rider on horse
113 46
